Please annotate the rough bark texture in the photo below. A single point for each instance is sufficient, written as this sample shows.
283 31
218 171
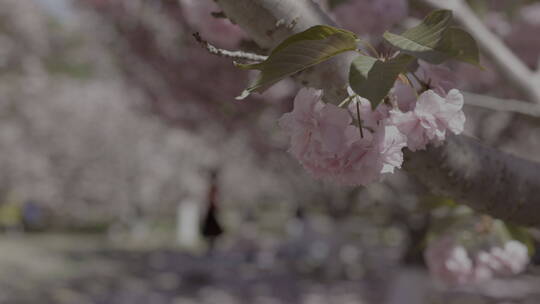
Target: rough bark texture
485 179
481 177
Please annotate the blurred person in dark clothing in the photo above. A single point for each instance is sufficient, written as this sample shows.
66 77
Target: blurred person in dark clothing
210 227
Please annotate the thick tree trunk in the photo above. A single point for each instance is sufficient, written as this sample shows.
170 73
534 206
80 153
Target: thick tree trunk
483 178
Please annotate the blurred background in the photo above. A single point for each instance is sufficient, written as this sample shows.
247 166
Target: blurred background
129 174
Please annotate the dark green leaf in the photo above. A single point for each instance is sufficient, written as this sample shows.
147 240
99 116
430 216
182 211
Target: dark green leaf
435 42
373 79
299 52
360 68
462 46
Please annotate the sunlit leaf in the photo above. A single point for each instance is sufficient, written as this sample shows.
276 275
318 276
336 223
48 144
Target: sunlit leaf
423 37
299 52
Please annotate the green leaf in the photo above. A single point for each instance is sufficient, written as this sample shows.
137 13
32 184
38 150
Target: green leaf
461 46
373 78
425 36
360 68
436 42
299 52
456 44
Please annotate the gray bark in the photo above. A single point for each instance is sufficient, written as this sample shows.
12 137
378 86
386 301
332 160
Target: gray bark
487 180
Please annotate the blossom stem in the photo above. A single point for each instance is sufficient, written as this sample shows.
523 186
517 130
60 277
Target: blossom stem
359 120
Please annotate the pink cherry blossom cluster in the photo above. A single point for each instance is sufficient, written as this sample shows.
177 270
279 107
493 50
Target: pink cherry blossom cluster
430 120
452 264
330 146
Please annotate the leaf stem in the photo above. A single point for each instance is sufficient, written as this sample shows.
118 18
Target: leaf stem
370 47
347 100
362 52
411 84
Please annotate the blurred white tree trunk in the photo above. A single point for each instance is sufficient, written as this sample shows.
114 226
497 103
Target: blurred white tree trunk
187 224
483 178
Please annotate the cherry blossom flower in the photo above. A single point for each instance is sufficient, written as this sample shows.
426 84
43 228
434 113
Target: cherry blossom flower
448 261
437 77
329 146
370 118
508 260
324 141
361 163
453 264
431 118
391 145
391 141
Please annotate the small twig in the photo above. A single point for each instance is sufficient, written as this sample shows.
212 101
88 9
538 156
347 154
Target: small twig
236 55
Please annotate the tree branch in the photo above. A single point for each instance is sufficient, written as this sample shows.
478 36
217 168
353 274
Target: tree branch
503 105
270 22
236 55
510 65
483 178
